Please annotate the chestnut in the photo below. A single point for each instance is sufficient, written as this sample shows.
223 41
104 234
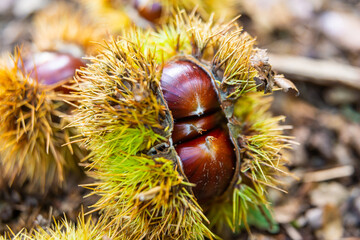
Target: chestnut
201 140
149 9
190 128
209 162
187 111
52 69
188 89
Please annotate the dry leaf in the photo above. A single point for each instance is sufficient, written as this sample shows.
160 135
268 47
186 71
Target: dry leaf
285 84
287 212
332 224
329 193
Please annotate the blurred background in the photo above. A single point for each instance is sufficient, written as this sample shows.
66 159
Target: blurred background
314 43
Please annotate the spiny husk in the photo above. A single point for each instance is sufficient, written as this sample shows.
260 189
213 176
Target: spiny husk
262 140
229 50
83 229
120 76
122 116
31 131
65 28
120 14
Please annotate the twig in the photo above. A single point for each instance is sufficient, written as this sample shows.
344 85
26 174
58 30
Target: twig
318 71
328 174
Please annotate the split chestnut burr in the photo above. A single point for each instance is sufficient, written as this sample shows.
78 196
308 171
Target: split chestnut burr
200 136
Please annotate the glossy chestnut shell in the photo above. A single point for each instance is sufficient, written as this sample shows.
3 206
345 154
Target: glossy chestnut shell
148 9
52 69
200 137
188 90
190 128
208 161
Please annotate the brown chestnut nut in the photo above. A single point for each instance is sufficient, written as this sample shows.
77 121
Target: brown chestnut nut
52 69
201 140
149 9
190 128
188 89
208 161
